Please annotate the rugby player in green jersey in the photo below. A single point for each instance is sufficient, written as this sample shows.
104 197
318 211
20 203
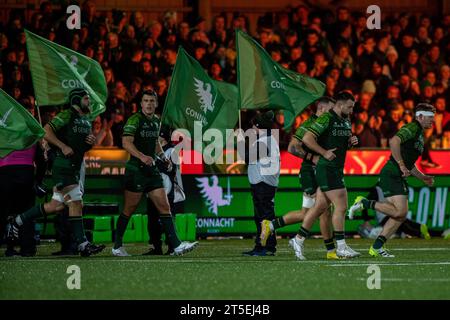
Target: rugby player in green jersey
140 139
329 136
406 147
71 132
308 182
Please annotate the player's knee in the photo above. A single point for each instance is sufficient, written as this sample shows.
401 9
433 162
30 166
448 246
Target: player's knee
400 214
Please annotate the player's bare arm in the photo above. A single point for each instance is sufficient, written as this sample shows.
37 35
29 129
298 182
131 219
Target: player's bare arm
127 143
310 140
295 148
428 180
51 137
394 144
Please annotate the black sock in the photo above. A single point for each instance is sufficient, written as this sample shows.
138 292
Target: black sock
329 244
410 228
76 224
122 223
379 242
31 214
303 232
339 235
169 230
368 204
278 223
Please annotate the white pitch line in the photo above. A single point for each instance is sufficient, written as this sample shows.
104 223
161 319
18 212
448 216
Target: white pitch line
353 264
344 263
410 280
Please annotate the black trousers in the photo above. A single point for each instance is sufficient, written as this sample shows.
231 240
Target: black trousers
16 196
264 209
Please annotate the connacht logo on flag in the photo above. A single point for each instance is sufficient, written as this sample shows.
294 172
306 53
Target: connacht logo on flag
56 70
194 96
264 84
18 129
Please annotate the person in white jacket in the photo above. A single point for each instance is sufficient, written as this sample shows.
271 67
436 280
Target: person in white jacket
173 186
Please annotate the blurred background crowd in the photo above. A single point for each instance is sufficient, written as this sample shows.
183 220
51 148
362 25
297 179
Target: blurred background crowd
388 70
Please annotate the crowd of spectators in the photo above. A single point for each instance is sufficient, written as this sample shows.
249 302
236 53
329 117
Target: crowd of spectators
389 70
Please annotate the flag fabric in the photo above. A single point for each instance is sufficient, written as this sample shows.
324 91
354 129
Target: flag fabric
264 84
18 129
56 70
194 96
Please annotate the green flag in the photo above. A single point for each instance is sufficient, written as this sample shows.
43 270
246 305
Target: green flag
18 129
56 70
264 84
194 96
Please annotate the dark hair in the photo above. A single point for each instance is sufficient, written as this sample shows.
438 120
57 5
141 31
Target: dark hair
344 96
75 96
324 100
264 120
150 93
425 107
165 132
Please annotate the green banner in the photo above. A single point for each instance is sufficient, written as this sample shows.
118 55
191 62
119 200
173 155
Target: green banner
264 84
56 70
194 96
18 129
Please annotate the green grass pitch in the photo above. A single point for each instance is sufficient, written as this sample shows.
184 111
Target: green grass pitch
217 270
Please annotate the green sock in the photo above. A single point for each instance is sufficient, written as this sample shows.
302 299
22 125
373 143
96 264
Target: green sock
329 244
278 223
379 242
169 230
368 204
31 214
121 227
303 232
339 235
76 224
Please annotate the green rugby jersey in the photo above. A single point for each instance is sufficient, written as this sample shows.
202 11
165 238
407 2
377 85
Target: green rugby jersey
72 129
412 143
300 133
332 131
145 132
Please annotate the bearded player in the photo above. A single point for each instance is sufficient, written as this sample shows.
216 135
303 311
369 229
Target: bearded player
330 136
71 132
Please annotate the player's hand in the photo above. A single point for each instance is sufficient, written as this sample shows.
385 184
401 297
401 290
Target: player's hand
428 180
168 164
404 170
91 140
46 148
329 154
67 151
353 141
315 159
147 160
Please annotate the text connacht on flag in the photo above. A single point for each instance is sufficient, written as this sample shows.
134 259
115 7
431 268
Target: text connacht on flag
194 96
264 84
18 129
56 70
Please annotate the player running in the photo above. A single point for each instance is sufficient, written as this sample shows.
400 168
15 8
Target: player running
71 132
406 147
330 136
308 183
140 139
